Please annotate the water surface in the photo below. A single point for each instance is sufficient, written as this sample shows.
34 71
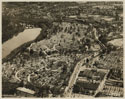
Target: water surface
23 37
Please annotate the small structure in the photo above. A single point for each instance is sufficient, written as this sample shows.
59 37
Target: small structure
22 91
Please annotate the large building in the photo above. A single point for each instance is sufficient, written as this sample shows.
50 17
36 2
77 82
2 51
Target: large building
22 91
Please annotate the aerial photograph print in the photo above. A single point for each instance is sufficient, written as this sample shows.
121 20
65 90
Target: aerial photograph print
62 49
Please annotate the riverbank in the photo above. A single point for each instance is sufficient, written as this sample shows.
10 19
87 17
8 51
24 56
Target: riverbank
22 37
20 48
16 51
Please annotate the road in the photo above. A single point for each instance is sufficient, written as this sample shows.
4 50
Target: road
101 86
20 70
72 81
17 74
74 77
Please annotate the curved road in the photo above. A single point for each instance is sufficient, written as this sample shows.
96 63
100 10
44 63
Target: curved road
17 74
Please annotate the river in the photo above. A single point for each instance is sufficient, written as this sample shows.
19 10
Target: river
23 37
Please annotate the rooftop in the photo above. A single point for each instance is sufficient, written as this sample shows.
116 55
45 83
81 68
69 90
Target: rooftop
23 89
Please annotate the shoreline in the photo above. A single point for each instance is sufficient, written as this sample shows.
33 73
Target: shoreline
21 47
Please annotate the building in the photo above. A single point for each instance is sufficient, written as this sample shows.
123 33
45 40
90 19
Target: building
22 91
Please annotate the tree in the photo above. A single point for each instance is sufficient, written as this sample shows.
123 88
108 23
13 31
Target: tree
76 89
64 70
73 38
31 51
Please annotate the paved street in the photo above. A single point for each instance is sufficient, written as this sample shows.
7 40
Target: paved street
68 90
73 78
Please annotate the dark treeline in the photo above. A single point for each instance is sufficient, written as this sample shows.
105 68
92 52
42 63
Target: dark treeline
33 13
42 14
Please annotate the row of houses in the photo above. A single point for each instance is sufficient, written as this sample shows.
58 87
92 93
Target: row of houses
112 91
